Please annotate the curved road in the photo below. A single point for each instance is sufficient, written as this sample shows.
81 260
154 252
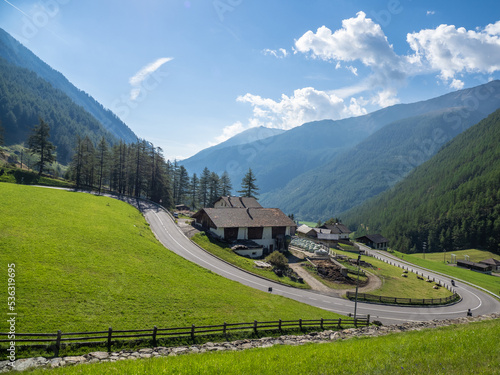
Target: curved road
169 234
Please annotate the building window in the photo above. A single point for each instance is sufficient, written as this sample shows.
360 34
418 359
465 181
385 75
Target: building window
277 231
231 234
255 233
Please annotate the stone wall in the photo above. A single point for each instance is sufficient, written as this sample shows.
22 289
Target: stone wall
320 337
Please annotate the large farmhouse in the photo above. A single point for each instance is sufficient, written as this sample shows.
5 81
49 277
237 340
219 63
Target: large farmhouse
244 221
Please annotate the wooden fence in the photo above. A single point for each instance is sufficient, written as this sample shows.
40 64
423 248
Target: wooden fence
403 301
110 336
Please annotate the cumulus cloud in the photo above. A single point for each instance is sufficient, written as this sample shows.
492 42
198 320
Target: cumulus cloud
450 50
137 80
305 105
359 39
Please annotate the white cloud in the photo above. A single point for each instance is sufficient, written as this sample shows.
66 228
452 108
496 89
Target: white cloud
230 131
430 12
279 53
305 105
457 84
358 39
450 50
137 80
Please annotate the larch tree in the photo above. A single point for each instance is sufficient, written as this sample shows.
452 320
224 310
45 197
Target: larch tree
248 186
39 144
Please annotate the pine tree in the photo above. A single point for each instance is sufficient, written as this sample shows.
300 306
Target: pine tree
225 185
204 187
102 157
248 186
40 145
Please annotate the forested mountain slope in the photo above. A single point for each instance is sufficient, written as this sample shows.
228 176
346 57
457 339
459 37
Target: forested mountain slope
15 53
24 97
450 202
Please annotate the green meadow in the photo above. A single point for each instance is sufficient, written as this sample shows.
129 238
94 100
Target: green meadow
224 252
461 349
394 284
86 262
436 262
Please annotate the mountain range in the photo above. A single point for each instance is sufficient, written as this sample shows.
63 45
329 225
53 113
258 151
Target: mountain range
450 202
323 168
19 61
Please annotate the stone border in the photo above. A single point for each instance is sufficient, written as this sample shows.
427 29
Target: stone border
320 337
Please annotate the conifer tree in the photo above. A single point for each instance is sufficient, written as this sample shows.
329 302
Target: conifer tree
248 186
40 145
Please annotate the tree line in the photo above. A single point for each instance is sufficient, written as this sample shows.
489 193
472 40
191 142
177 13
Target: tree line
137 169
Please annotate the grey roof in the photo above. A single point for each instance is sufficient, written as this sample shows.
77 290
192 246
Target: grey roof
375 238
240 202
304 229
226 217
491 262
337 228
322 230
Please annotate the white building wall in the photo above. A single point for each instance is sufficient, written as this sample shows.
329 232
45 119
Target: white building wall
243 233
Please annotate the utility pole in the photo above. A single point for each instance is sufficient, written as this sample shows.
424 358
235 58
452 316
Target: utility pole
357 285
424 246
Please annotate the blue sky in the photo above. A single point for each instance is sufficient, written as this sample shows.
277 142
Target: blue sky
189 74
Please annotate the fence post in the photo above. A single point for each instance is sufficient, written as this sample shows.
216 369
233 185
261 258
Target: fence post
340 321
224 328
192 332
255 326
110 332
322 324
300 324
155 329
58 343
368 320
279 326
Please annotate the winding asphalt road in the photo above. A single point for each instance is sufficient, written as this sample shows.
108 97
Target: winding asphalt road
169 234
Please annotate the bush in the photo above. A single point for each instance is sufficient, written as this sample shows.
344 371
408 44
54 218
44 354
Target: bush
278 260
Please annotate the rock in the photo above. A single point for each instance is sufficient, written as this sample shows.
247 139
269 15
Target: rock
24 364
99 355
75 359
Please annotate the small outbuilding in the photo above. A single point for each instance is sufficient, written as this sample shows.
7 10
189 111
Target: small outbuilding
493 263
375 241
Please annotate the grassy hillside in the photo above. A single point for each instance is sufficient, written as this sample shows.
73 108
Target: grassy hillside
85 262
462 349
439 262
450 202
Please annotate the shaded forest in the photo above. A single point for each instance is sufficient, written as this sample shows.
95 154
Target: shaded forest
24 98
450 202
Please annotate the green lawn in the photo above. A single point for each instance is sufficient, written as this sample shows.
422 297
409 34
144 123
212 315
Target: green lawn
435 262
394 285
461 349
225 253
86 262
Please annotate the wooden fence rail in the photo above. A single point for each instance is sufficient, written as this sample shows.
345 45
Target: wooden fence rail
403 301
108 337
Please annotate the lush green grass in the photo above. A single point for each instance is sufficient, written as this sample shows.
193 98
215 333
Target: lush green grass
434 261
394 285
462 349
225 253
86 262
